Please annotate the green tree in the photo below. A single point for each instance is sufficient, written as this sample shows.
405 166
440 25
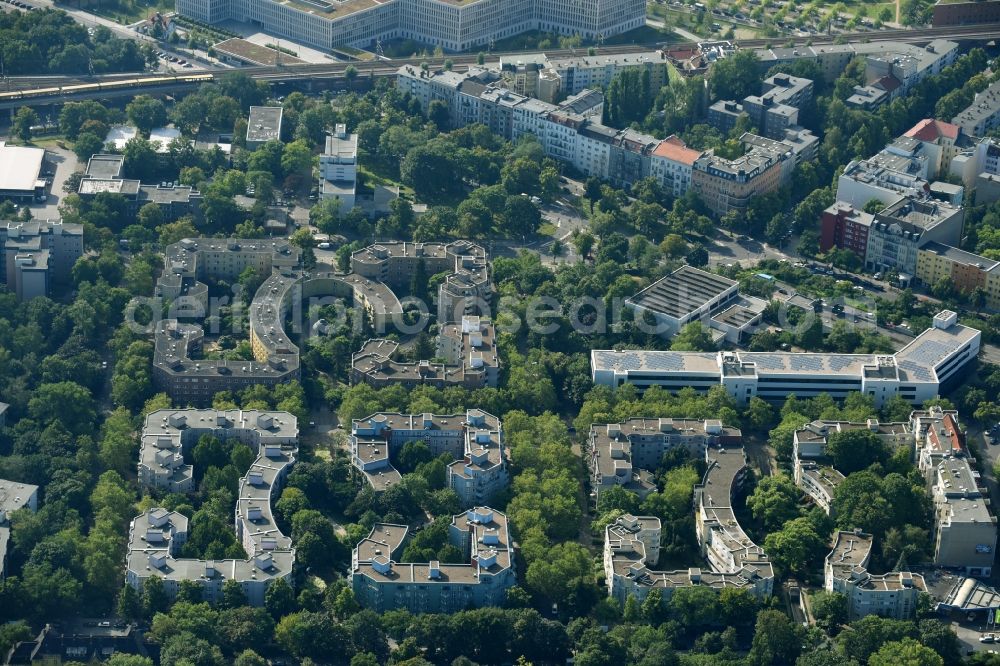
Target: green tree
146 112
796 546
776 640
829 609
24 119
87 145
774 502
735 77
693 337
907 651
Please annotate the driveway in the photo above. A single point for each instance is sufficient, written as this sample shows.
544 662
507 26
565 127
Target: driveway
64 163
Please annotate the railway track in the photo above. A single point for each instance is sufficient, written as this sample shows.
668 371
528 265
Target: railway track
55 88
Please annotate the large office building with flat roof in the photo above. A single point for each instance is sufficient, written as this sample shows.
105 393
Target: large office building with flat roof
690 294
382 582
454 25
156 535
916 373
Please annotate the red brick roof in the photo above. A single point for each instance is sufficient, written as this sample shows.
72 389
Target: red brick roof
675 149
929 129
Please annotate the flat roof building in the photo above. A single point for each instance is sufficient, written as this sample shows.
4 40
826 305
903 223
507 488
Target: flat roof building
20 172
916 373
382 582
37 255
632 544
475 440
263 125
338 168
983 115
623 454
893 595
156 535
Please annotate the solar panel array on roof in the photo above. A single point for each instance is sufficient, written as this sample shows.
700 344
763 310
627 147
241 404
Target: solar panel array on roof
806 362
920 372
769 361
682 292
620 361
666 361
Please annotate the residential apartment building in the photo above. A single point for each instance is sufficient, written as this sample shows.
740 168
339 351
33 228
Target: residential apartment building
724 114
884 177
894 65
466 290
632 544
901 229
475 439
772 112
966 272
726 185
38 254
843 226
454 26
382 582
893 595
14 496
156 535
568 132
813 471
983 115
965 532
338 168
622 454
916 373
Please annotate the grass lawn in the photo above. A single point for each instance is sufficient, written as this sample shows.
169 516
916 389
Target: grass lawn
547 229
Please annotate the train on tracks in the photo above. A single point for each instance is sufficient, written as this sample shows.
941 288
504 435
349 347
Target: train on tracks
145 82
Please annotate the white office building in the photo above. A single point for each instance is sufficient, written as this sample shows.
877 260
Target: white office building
916 373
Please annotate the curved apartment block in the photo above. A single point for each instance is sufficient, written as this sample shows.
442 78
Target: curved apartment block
156 535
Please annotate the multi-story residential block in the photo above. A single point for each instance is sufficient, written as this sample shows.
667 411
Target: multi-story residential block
892 595
983 115
475 439
938 436
338 168
382 583
14 496
843 226
966 272
568 131
454 26
38 254
813 471
965 532
156 535
621 454
884 177
901 229
466 290
672 165
632 544
726 185
941 142
916 373
724 114
896 65
263 125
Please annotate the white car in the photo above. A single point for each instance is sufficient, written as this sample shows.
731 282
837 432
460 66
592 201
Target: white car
987 638
324 246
